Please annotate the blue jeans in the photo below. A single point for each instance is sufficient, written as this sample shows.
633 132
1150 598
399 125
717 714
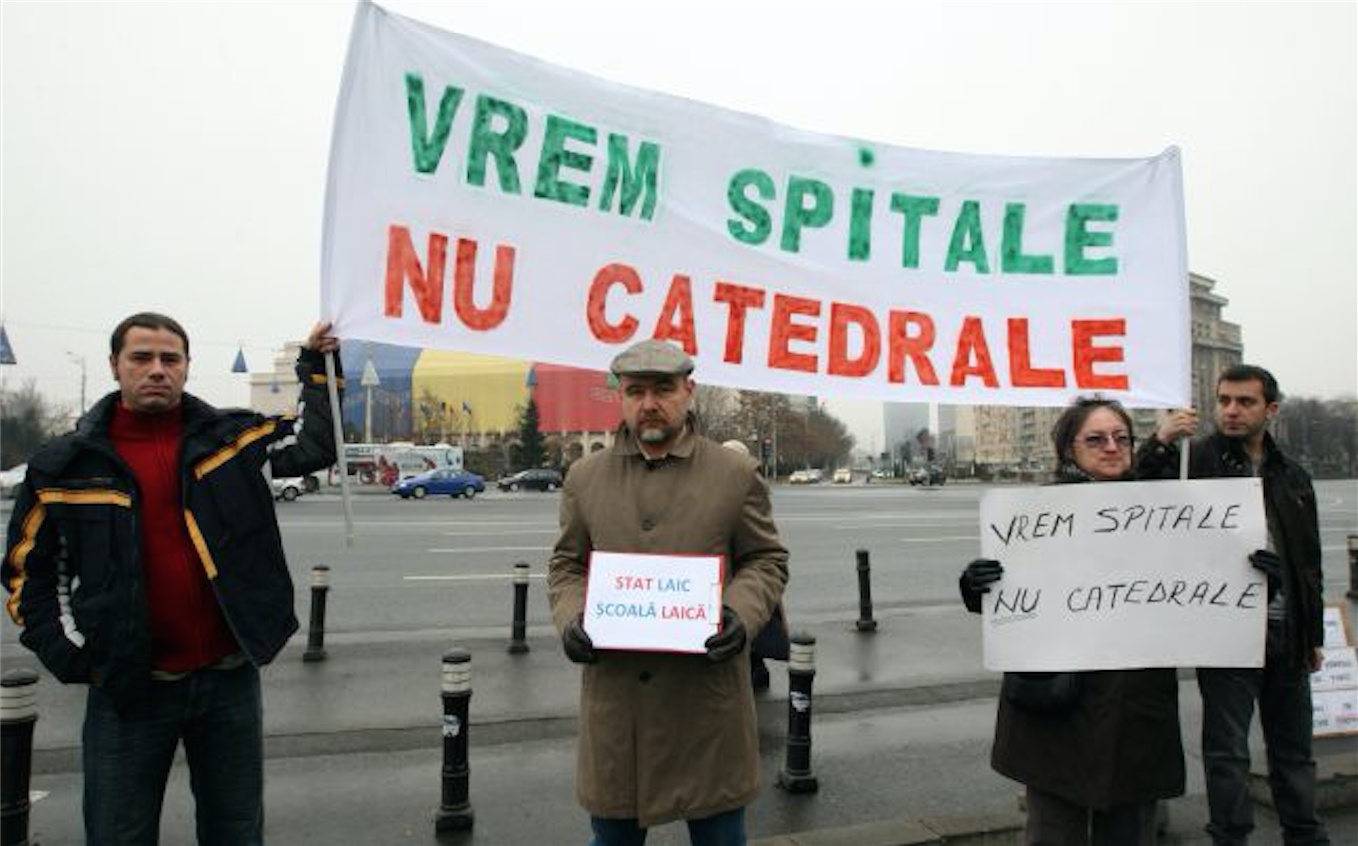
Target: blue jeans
127 756
1284 696
725 829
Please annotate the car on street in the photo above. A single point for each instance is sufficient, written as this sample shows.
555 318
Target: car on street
806 477
843 476
288 488
11 479
931 475
536 479
443 481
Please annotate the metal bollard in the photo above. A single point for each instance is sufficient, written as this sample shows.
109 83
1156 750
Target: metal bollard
1353 567
315 636
517 643
865 621
796 775
18 714
455 810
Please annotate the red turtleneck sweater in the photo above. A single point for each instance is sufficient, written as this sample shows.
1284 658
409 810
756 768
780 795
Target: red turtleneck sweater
188 630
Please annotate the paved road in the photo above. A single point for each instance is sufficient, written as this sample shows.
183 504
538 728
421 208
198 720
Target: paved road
445 563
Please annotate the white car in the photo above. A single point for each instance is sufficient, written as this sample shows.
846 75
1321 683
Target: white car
11 479
288 489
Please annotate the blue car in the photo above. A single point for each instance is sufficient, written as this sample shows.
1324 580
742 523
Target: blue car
452 483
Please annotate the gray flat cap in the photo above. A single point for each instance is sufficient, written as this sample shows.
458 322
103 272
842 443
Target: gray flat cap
652 358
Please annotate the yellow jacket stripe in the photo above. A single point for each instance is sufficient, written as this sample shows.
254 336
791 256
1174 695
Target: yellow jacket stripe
322 379
201 545
19 555
66 496
226 453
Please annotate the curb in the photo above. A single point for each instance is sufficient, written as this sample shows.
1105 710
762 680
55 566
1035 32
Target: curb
968 829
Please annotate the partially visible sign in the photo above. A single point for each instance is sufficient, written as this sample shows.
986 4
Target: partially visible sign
653 603
1125 575
1334 687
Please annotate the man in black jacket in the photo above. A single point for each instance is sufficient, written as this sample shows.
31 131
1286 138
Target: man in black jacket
145 560
1247 400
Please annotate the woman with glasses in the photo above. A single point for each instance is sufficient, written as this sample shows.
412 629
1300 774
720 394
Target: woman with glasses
1095 750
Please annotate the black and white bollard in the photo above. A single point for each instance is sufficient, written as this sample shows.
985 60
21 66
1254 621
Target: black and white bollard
796 775
1353 567
18 714
315 636
865 622
519 628
455 810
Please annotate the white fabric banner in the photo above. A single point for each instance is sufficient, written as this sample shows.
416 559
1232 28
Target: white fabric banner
484 201
1122 575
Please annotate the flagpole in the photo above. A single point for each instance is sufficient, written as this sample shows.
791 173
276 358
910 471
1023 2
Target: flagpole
333 384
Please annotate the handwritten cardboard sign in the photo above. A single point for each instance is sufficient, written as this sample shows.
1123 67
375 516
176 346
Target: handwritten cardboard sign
653 603
1106 576
1334 687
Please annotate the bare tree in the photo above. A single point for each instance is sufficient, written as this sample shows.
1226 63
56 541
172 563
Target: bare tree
27 419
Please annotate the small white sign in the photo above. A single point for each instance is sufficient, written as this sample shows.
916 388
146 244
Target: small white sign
1334 687
1125 575
653 603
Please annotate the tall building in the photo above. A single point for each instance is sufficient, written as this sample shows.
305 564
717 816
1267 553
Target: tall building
1216 342
901 424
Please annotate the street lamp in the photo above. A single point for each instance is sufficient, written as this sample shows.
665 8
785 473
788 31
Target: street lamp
79 359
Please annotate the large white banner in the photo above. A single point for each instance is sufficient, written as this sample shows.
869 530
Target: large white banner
485 201
1122 575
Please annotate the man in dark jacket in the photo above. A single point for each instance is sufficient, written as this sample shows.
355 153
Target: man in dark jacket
144 560
1247 400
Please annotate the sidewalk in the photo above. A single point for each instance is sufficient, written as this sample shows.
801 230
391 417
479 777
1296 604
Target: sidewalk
902 732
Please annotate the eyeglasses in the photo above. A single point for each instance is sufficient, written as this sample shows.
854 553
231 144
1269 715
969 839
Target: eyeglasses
1096 440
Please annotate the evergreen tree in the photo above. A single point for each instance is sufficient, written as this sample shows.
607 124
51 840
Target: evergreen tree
531 448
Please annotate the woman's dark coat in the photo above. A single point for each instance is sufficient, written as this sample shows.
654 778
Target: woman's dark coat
1119 743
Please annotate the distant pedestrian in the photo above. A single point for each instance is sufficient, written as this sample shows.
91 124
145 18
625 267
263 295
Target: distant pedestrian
1095 750
1247 401
145 561
666 736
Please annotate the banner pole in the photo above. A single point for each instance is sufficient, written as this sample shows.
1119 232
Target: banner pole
340 457
1183 458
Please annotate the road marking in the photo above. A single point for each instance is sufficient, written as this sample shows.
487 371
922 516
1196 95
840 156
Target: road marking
474 577
496 549
872 518
869 525
436 524
501 533
941 540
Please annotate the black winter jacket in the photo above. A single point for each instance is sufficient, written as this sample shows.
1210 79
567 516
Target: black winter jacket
73 537
1290 506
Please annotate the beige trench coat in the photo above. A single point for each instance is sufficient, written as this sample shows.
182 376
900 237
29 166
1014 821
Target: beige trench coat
667 736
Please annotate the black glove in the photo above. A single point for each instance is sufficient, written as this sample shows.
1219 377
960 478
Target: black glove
1271 566
579 648
976 580
729 639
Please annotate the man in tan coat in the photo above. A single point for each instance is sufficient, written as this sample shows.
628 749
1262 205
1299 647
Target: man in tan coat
667 736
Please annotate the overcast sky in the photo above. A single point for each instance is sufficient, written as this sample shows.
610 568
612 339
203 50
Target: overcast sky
173 156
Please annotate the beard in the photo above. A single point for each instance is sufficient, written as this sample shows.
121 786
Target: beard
654 433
